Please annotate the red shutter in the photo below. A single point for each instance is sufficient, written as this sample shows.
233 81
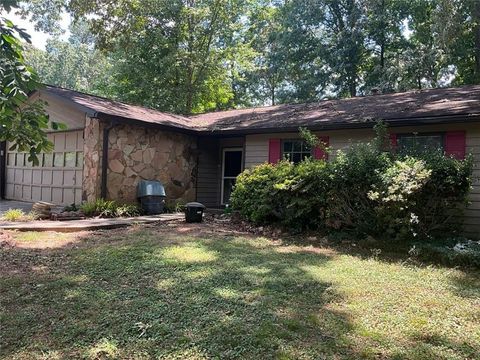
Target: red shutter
274 152
393 141
319 152
455 144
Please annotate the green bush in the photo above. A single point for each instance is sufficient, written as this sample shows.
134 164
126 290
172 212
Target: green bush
109 208
368 189
255 194
19 215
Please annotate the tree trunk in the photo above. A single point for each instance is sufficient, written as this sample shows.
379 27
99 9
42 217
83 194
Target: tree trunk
476 20
383 26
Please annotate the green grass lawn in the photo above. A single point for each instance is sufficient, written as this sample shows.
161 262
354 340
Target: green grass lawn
195 292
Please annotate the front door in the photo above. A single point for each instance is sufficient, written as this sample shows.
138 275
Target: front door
232 163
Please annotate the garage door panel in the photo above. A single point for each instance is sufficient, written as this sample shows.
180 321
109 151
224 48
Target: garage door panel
57 195
36 193
60 142
68 196
26 192
78 196
71 142
80 140
57 179
10 177
18 176
78 177
47 194
9 191
47 177
69 177
17 190
37 177
27 176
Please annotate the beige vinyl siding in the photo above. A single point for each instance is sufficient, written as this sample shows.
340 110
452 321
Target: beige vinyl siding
256 152
61 111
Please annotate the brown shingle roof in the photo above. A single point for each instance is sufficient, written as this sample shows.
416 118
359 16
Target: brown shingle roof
398 108
395 108
100 105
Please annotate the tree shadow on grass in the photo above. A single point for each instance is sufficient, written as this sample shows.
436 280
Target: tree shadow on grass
209 298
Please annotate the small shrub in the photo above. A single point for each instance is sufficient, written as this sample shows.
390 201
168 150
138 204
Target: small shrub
452 252
109 208
174 206
89 208
14 215
128 210
19 215
71 207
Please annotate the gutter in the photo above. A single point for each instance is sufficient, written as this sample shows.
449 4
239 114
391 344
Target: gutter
106 133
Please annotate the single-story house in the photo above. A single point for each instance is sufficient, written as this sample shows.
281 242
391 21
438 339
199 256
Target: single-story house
110 146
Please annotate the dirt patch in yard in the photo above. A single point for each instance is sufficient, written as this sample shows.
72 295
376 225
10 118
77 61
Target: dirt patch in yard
40 240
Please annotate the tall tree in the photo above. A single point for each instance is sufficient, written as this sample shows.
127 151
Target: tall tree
170 52
22 122
73 64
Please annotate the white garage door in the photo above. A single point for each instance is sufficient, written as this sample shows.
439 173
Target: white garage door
58 177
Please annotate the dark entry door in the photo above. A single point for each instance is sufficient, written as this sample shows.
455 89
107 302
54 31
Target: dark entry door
232 162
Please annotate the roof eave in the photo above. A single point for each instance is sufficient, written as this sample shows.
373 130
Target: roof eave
142 123
398 122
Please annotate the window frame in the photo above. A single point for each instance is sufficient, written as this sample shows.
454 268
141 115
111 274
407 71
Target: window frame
282 152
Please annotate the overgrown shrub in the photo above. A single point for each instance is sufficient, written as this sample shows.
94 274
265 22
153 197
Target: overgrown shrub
367 189
109 208
255 194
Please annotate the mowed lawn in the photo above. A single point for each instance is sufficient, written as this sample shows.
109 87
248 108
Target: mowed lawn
177 291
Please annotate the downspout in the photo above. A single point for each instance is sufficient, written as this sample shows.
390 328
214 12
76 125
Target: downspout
197 168
106 133
3 172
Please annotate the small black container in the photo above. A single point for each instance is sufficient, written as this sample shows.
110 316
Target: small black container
194 212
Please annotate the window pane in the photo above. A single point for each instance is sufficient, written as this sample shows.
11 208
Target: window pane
233 163
11 159
48 160
27 162
306 155
296 157
228 185
287 146
20 159
420 143
297 145
70 159
58 160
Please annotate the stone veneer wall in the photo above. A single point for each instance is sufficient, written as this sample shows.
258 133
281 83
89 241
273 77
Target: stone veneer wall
92 155
137 153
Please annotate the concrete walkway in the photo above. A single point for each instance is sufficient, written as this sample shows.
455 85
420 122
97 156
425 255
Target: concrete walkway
87 224
12 204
